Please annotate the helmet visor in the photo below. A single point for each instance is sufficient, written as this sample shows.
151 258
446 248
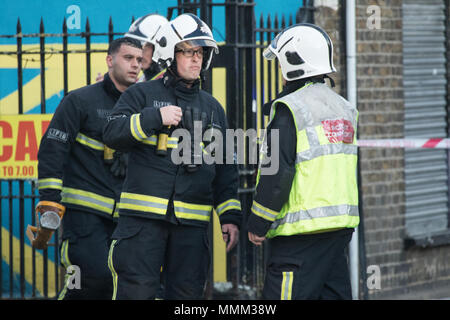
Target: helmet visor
269 53
200 43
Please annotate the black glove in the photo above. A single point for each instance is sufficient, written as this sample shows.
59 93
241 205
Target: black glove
120 163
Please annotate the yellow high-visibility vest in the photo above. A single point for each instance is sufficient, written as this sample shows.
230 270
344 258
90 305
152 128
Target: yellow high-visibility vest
324 192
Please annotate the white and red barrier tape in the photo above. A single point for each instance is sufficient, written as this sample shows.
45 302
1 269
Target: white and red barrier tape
406 143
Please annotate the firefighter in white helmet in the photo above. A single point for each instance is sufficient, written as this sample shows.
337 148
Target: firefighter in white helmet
144 29
166 206
308 210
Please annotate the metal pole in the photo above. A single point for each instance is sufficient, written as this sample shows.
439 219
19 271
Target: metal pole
42 60
351 96
65 61
88 52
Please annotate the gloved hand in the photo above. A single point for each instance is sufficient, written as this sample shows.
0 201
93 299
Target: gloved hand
48 215
119 165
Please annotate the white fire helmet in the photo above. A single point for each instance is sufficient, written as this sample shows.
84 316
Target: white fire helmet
186 28
145 28
303 50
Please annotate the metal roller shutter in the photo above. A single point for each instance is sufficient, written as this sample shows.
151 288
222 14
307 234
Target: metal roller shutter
424 80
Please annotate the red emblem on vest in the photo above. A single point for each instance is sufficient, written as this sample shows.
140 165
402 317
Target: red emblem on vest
339 130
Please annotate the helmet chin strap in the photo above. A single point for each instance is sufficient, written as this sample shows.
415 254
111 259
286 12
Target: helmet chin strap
331 80
202 76
152 70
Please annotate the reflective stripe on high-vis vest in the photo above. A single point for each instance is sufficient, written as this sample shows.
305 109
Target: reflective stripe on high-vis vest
324 192
192 211
89 142
144 203
88 199
317 219
50 183
135 127
325 150
228 205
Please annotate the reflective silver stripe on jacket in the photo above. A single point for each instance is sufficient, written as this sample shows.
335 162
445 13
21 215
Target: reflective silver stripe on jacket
92 143
124 200
263 212
321 212
50 183
205 213
88 199
136 129
153 140
228 205
144 203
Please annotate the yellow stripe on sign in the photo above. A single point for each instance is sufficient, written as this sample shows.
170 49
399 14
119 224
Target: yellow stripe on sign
219 90
53 75
28 263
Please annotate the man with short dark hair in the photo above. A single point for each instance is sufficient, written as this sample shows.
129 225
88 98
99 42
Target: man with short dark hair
76 170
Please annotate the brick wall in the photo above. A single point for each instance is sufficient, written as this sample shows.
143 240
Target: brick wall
413 273
329 18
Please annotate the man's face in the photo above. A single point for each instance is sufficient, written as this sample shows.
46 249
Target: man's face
125 64
189 67
147 55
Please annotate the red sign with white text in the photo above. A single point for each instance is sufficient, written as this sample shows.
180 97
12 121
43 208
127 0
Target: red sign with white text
20 136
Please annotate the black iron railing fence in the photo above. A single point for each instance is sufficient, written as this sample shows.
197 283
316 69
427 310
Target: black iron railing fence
250 82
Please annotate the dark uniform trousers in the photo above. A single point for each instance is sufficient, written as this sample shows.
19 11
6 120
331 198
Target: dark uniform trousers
86 242
142 246
306 267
